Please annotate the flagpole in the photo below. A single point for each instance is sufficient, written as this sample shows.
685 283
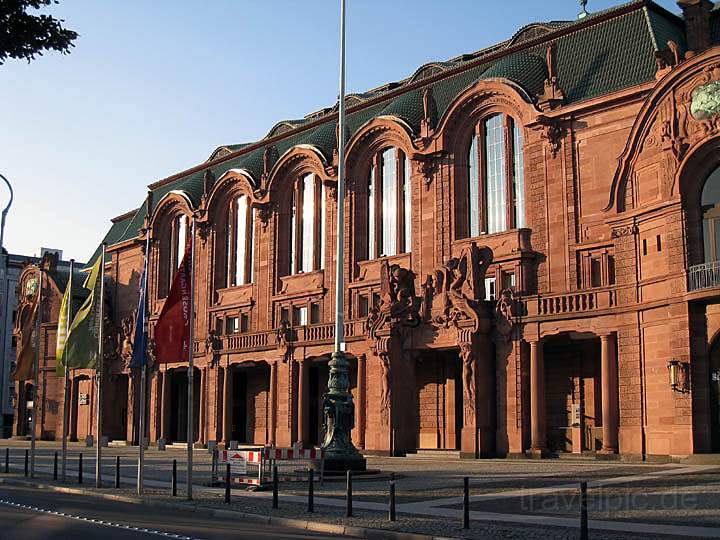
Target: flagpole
36 374
190 376
99 370
66 412
143 375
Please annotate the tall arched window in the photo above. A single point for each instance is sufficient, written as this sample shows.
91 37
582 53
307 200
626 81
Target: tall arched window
240 241
172 248
496 179
711 216
389 206
307 225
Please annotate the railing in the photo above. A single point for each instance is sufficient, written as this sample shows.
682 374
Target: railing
236 342
704 276
577 302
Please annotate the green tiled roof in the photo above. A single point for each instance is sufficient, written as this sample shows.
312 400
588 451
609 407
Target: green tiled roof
608 51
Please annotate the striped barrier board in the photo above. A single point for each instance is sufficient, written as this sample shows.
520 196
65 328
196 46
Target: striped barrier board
264 459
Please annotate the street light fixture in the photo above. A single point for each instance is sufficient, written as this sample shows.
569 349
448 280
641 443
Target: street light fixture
5 295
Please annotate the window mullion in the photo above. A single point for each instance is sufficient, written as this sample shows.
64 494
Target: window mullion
482 176
316 224
298 225
399 201
509 173
377 201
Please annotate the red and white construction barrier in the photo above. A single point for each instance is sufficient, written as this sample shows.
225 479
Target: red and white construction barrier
254 467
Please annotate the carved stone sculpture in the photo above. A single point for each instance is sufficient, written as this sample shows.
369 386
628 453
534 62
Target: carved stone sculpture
398 303
459 287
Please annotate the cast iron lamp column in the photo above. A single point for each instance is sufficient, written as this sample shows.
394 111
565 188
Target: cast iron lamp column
338 406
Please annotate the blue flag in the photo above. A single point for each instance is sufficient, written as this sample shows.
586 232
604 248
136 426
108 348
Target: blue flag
140 340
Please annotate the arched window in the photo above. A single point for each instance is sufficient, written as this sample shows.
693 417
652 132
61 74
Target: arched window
240 241
172 249
307 225
711 216
496 179
389 206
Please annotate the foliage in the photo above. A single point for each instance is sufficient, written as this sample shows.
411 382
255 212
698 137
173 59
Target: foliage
706 101
23 35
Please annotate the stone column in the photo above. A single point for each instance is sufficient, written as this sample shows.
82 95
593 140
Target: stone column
72 434
538 437
361 404
303 403
272 403
608 375
226 405
165 407
202 421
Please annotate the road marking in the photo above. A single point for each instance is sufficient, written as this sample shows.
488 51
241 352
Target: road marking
96 521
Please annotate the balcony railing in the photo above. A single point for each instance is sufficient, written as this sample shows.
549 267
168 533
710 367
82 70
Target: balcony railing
704 276
570 303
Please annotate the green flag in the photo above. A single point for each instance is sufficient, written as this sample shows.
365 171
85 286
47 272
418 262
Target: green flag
62 330
81 344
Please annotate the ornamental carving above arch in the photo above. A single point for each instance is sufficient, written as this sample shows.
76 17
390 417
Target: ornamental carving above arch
377 134
298 159
485 97
681 114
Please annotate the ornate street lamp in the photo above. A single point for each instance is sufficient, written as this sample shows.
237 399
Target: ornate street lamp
338 406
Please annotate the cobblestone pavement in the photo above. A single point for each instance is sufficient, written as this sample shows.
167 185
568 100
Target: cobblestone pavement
509 498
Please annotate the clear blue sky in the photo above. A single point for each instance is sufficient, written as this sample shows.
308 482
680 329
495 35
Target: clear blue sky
152 87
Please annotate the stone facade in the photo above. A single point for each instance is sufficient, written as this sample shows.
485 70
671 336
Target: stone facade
553 336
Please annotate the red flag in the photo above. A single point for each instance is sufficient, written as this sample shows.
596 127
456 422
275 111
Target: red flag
172 331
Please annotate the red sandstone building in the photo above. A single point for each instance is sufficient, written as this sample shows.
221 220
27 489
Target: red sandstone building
531 258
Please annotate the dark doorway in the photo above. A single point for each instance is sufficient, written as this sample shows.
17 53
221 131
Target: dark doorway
439 395
179 403
318 386
715 396
573 392
239 407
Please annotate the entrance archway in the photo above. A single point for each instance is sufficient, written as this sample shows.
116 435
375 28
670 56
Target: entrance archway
573 393
439 400
179 403
248 407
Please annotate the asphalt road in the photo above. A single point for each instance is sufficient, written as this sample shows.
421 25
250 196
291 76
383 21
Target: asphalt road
27 514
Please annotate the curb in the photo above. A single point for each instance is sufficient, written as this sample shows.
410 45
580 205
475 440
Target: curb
302 524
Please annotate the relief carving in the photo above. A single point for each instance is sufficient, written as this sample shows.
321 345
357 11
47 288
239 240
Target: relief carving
468 381
398 304
457 288
213 346
506 310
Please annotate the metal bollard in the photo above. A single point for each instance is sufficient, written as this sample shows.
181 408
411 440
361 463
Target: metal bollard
55 463
583 511
311 491
466 503
391 516
7 460
80 469
117 471
348 496
27 461
227 483
275 487
174 478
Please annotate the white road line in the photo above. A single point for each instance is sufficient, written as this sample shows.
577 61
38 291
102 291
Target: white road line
96 521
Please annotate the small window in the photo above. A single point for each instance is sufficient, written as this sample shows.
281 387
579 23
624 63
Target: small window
244 322
490 289
595 272
231 325
300 316
644 246
375 300
14 316
284 315
658 243
611 270
362 310
314 313
509 280
14 342
219 326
